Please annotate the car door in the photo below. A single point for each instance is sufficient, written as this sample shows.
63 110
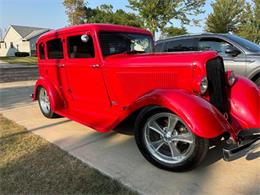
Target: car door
88 96
53 65
236 63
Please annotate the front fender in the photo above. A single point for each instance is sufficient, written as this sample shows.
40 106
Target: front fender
56 99
199 115
244 98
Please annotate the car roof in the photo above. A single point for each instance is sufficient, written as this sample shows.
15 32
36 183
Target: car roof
96 27
193 36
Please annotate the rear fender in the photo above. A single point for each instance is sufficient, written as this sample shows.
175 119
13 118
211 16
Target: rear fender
56 100
202 118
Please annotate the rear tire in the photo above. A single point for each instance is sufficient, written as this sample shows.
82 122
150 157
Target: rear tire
45 104
180 150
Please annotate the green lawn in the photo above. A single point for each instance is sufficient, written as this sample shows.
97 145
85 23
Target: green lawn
19 60
31 165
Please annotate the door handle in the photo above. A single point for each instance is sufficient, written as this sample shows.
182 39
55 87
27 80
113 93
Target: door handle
60 65
95 66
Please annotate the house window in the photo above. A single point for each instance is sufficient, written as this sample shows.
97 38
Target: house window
55 49
5 45
11 45
79 49
41 51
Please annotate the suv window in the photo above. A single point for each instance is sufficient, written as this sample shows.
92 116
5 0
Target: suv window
79 49
180 45
214 44
55 49
159 47
41 51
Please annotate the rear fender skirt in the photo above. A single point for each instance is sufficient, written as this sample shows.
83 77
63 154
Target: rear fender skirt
56 101
199 115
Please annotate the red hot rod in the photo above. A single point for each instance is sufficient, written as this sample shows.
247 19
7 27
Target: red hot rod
105 75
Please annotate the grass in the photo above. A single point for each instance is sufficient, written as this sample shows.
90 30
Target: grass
31 165
20 60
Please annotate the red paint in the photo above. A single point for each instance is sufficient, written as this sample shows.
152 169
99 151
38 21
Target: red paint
101 97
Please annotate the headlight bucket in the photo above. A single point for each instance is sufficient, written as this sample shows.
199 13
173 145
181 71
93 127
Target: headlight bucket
203 85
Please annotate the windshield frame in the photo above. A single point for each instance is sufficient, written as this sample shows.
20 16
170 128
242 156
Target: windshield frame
151 41
244 43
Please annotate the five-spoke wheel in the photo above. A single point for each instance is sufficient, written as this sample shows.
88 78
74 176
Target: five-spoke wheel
45 104
166 141
167 138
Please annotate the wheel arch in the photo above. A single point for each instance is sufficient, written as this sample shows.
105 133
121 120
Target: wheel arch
200 116
56 100
253 75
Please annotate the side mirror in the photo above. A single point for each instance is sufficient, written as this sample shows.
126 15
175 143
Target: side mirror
232 51
84 38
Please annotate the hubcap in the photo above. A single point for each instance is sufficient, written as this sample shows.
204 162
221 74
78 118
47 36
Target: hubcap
44 101
168 139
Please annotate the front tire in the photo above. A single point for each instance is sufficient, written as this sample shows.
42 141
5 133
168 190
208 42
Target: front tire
257 82
45 104
166 142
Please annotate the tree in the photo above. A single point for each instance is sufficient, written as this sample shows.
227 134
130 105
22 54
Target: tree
250 22
156 14
75 9
226 16
105 14
173 31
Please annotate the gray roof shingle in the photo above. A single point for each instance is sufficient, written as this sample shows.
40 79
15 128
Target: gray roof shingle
25 31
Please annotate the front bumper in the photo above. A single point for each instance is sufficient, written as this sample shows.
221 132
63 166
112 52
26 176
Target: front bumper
248 139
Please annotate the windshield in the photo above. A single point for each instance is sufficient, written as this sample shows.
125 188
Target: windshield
120 42
250 46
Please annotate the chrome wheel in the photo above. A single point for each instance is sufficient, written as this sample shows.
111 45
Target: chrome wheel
44 101
168 139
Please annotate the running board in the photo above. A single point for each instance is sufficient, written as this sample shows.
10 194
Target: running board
248 139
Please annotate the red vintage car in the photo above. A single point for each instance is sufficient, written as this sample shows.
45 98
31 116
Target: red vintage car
107 76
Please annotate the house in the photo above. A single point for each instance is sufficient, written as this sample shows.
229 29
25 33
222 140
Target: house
20 39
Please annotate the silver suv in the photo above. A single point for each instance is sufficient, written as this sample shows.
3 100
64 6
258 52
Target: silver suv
240 55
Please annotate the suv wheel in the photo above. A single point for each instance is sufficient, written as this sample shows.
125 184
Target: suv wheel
165 141
257 82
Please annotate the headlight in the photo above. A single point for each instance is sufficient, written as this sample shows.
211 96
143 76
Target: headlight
203 85
230 78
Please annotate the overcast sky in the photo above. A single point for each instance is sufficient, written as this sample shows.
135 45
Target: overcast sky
51 13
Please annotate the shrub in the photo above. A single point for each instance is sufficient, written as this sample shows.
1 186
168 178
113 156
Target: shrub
21 54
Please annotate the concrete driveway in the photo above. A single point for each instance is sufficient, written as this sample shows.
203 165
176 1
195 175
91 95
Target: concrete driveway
117 155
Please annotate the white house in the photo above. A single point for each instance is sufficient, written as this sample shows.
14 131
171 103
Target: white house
21 39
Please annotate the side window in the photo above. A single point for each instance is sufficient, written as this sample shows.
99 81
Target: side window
159 47
180 45
79 49
214 44
41 51
55 49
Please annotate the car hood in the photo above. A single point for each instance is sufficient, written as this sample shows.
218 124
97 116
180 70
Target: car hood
161 59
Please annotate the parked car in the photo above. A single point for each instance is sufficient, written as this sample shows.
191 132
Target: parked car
240 55
107 76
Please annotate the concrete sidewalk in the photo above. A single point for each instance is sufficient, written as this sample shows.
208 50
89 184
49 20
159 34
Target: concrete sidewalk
117 155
